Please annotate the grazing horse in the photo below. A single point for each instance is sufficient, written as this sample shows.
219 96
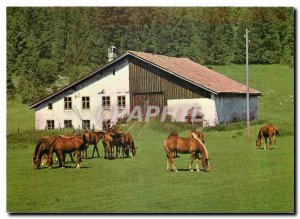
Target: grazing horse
128 145
91 138
42 148
264 133
109 141
64 144
192 146
199 135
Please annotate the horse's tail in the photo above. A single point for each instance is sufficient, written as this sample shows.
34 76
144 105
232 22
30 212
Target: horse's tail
201 143
166 148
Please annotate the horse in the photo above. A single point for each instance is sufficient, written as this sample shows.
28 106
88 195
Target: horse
42 148
91 138
128 145
193 146
199 135
264 133
64 144
110 140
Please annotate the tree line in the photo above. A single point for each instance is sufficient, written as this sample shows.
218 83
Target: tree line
48 47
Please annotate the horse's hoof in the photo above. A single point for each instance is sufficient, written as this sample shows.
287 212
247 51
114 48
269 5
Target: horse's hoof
175 170
191 170
198 170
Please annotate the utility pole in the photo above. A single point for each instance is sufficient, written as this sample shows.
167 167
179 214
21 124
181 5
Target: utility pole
247 82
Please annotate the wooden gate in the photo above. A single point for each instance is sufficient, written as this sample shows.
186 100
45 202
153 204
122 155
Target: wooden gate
147 99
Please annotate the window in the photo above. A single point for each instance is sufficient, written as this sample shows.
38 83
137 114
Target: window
85 102
50 106
114 71
105 125
106 101
86 124
68 103
68 123
121 101
50 124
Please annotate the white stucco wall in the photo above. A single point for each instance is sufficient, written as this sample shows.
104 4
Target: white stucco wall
218 109
204 106
233 108
111 85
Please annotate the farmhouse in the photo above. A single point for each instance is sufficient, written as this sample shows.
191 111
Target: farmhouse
143 79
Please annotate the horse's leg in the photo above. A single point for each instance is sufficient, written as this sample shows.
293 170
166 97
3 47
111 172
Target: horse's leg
197 162
264 140
191 161
168 163
78 160
61 158
96 147
172 162
270 141
72 158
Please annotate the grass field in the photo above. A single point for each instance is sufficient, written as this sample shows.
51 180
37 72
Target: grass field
242 179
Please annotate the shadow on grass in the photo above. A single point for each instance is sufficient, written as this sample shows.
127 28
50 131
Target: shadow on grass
188 170
268 149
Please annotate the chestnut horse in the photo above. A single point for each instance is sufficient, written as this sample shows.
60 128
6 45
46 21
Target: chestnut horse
199 135
109 141
128 145
64 144
264 133
91 138
192 146
42 149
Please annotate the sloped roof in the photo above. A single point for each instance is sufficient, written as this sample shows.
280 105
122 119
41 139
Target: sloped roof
183 68
196 73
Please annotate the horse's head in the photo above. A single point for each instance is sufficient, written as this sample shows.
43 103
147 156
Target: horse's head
257 143
36 162
205 164
134 152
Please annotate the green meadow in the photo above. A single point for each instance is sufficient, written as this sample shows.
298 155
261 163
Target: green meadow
242 179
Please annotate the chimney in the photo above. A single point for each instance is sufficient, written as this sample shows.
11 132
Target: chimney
112 53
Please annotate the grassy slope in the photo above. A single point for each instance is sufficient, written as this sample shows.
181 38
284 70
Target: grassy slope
242 179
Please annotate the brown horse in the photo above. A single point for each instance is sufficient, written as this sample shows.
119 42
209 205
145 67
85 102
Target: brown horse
91 138
199 135
64 144
42 148
192 146
264 133
128 145
109 141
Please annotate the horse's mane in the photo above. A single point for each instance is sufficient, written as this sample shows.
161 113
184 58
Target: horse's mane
173 134
37 147
203 145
